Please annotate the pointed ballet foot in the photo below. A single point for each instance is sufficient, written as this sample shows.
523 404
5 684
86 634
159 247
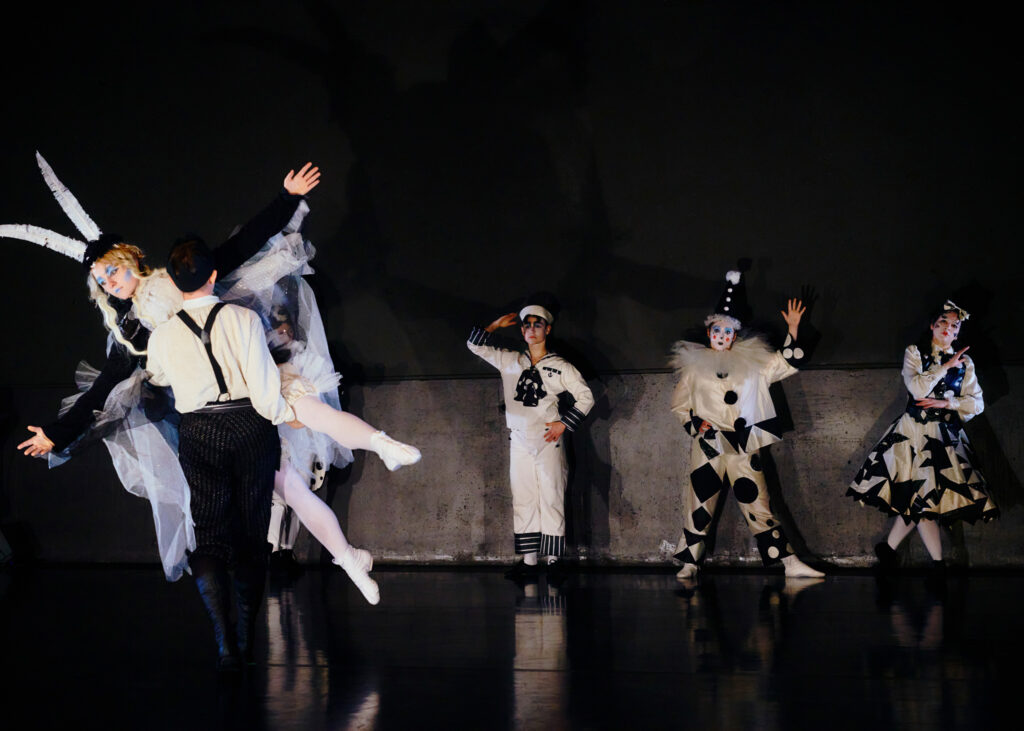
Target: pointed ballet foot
797 569
688 572
394 453
356 563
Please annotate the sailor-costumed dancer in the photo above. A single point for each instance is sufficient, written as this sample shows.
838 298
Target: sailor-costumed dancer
723 400
923 470
532 382
135 299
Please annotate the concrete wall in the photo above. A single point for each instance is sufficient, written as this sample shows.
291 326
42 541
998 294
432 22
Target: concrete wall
631 461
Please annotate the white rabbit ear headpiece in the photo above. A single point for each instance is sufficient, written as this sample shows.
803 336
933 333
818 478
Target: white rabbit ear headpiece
52 240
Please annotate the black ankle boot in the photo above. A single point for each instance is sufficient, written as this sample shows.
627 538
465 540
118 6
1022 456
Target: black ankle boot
212 582
249 582
888 559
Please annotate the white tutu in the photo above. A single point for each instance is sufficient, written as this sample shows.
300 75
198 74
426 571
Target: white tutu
138 423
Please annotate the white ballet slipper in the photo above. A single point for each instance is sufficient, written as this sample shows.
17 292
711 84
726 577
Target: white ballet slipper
688 572
797 569
353 563
394 453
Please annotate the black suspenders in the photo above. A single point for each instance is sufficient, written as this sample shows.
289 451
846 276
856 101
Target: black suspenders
204 336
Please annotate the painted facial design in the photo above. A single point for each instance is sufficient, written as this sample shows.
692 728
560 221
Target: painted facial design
115 279
535 329
946 329
721 336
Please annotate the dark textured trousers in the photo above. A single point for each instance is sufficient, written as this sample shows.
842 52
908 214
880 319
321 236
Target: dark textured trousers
229 459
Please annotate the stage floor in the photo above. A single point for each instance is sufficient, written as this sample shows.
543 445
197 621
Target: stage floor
113 648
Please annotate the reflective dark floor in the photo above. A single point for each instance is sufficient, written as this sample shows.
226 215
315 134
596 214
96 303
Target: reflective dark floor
121 648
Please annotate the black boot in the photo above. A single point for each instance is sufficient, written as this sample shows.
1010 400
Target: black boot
212 582
250 579
888 559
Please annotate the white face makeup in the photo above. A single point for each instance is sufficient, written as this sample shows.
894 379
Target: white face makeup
722 336
115 280
946 329
535 330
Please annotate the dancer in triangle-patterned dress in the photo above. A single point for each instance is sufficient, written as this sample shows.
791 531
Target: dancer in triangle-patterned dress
923 470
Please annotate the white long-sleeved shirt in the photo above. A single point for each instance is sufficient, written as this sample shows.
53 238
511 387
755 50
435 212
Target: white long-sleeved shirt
920 382
556 374
177 358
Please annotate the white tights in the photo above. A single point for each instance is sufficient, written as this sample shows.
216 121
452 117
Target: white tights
314 513
346 429
928 530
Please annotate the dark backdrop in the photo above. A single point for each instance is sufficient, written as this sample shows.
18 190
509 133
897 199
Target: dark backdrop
622 155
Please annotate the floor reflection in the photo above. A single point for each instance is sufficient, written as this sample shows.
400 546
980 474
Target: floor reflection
470 649
540 661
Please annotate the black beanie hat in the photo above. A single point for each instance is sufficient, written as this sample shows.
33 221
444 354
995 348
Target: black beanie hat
190 263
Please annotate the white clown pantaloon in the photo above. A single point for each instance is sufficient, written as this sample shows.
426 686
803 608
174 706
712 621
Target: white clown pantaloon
713 466
538 471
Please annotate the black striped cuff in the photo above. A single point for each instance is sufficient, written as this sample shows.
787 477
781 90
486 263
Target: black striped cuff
552 545
479 336
573 418
527 542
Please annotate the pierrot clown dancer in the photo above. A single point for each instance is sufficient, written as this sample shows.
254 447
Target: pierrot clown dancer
532 381
722 398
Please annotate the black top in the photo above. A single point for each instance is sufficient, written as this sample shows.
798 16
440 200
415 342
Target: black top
121 363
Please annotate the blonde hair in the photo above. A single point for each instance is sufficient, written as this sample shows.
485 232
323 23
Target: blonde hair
130 257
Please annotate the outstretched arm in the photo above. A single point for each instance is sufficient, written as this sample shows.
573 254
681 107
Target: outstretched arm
250 238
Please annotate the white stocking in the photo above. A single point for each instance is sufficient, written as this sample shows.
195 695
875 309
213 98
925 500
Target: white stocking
346 429
929 531
900 530
314 513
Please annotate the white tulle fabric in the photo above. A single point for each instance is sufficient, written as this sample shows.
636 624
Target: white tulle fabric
144 451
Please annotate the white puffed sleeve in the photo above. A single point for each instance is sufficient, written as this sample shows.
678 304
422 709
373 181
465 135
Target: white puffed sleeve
970 402
919 382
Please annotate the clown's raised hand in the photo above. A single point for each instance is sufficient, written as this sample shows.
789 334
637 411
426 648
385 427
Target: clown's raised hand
794 311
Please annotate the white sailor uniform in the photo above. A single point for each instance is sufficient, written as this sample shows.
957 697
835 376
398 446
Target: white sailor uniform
537 468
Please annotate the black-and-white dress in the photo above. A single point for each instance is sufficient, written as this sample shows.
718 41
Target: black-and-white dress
924 466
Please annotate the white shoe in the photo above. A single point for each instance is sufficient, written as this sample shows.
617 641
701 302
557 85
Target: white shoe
394 453
360 557
353 564
688 572
797 569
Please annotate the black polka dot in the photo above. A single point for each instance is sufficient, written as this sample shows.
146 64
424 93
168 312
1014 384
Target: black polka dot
731 397
745 490
755 462
740 424
769 522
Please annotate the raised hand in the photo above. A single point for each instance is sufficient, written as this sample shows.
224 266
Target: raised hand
504 321
38 445
957 360
794 311
304 181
